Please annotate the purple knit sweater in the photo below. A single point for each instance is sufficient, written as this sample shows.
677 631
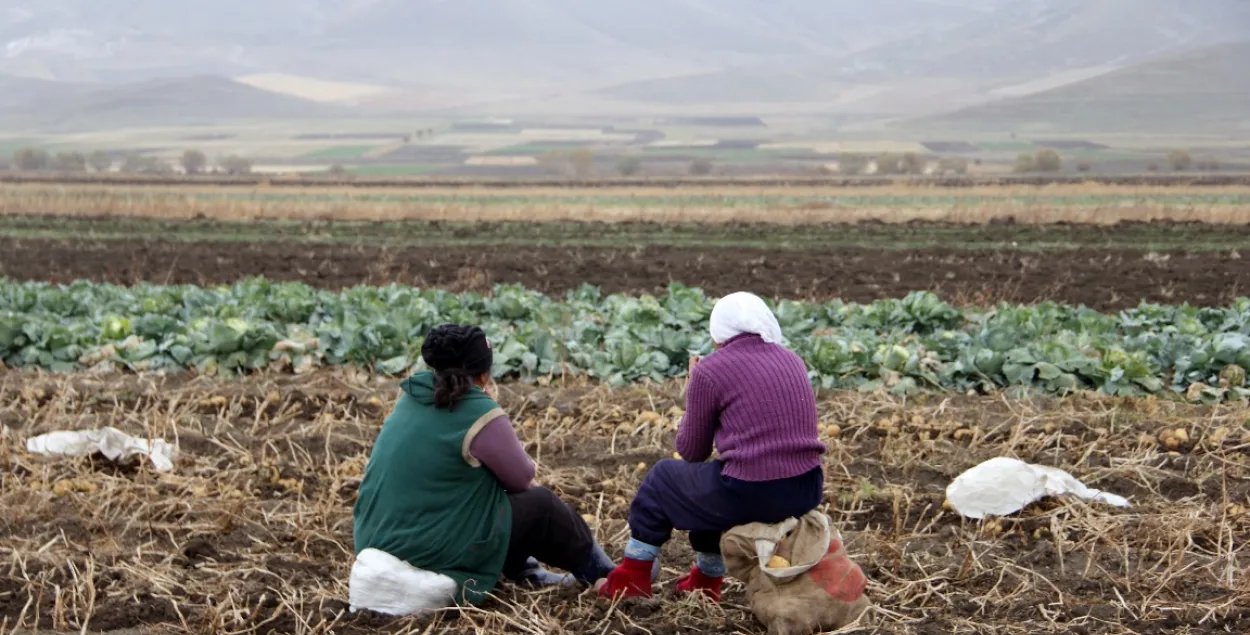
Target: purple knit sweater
755 401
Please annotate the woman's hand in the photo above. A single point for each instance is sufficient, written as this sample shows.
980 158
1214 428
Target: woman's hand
694 361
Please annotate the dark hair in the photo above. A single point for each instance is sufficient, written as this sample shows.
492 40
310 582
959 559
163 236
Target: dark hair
458 354
450 386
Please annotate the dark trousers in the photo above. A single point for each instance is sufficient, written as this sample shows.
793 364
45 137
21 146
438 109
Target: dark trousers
548 530
696 497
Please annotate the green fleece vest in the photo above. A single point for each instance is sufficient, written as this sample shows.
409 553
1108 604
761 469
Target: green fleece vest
425 500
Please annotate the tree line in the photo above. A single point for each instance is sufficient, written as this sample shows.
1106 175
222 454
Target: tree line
191 162
579 163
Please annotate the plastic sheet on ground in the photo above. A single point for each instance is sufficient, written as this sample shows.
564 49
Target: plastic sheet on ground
385 584
114 444
1003 486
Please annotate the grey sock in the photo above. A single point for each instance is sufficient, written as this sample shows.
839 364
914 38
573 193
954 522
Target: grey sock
599 566
542 577
535 574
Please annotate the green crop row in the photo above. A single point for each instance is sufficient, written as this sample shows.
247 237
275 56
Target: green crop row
901 345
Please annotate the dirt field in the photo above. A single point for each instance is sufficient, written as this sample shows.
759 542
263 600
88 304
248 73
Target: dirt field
995 242
1095 277
1057 237
252 530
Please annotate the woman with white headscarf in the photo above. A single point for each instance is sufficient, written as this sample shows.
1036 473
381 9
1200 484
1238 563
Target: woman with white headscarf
752 400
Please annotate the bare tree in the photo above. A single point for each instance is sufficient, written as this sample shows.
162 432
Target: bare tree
1047 160
193 161
1180 160
1206 164
100 161
953 165
338 171
135 163
629 166
1024 163
551 161
69 162
912 163
31 159
235 165
889 163
852 164
582 161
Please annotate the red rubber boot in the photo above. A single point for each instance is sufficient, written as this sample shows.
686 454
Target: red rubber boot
630 579
697 582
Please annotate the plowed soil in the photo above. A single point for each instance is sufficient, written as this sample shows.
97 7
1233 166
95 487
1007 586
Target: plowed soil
1104 279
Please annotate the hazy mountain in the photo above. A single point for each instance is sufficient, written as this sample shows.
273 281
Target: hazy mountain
885 56
520 44
1207 90
1005 49
18 93
568 43
187 100
1029 38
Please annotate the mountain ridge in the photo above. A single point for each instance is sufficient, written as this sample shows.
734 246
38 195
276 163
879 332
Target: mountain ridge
1203 90
193 99
1010 46
890 58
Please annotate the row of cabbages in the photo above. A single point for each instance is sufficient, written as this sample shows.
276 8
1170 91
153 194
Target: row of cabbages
918 342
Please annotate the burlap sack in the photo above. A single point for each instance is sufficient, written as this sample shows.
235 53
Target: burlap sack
821 590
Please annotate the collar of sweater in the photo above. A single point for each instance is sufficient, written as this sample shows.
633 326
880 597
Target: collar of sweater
741 337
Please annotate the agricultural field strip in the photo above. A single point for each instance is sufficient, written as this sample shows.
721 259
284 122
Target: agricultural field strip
904 346
1089 205
1107 280
252 530
338 152
1144 237
594 190
671 200
520 183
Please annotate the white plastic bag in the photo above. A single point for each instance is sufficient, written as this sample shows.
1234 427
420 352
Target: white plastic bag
383 583
1003 486
112 443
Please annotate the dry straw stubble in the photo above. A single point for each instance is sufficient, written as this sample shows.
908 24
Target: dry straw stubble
745 204
252 532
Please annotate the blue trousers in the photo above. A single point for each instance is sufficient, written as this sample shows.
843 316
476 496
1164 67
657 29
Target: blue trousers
697 498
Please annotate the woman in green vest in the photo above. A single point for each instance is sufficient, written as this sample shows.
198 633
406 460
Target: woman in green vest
449 488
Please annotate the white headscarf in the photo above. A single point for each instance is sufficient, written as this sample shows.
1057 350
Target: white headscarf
739 313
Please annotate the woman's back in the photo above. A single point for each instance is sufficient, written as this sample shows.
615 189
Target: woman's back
423 502
756 401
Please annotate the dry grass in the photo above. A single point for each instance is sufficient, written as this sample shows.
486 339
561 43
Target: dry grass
965 206
252 532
